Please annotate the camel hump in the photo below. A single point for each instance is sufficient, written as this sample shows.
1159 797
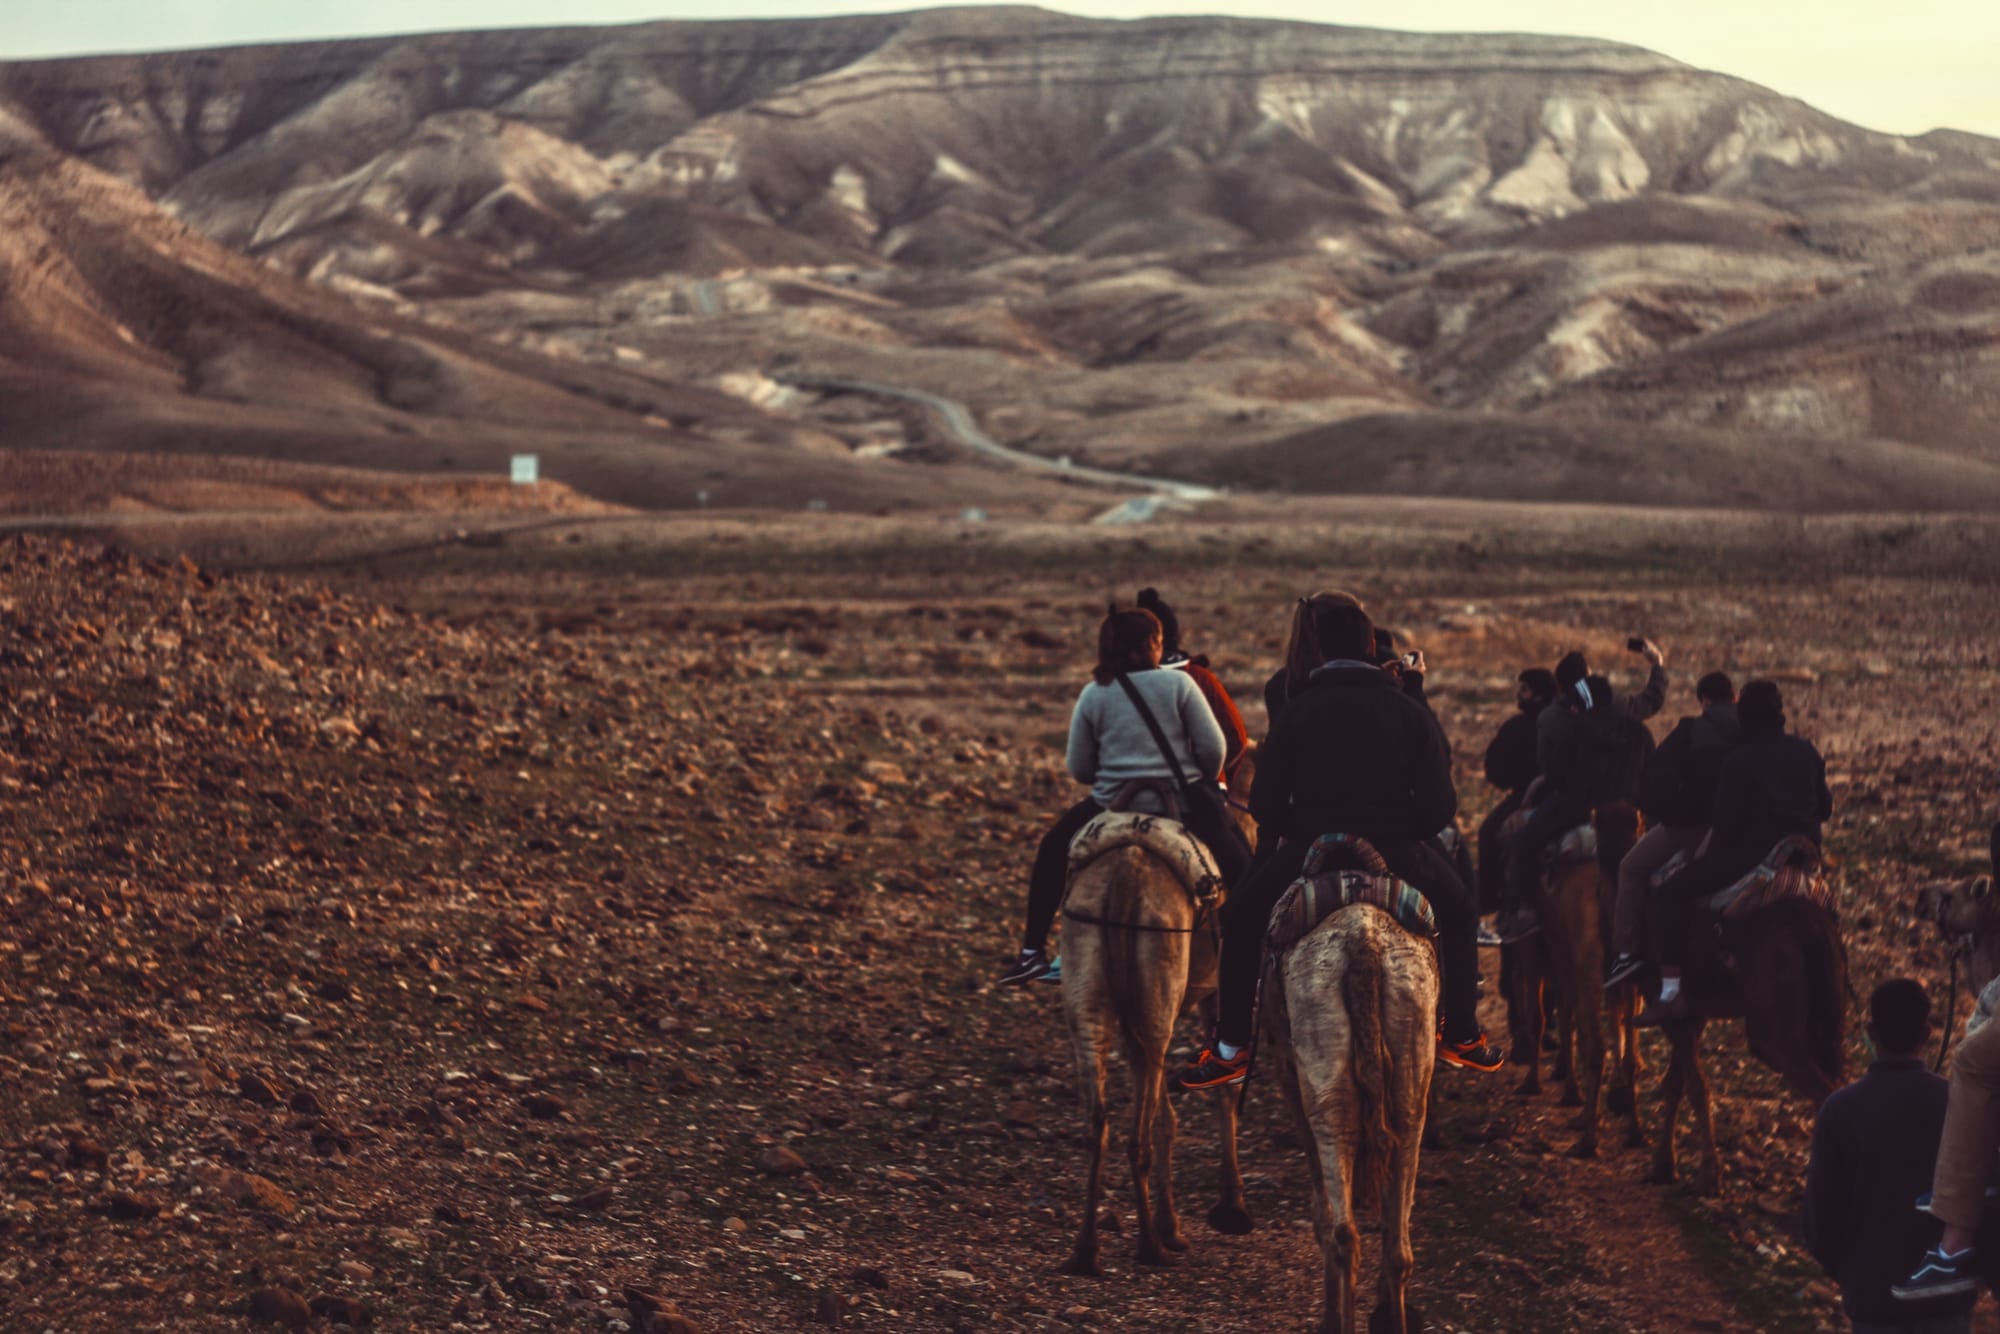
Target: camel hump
1793 870
1169 840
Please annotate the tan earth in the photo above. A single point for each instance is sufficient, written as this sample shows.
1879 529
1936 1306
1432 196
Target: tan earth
599 910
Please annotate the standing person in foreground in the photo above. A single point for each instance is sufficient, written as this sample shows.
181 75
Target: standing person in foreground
1772 786
1111 746
1351 754
1872 1151
1965 1152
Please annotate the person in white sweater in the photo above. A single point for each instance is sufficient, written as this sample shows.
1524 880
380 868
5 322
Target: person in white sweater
1110 746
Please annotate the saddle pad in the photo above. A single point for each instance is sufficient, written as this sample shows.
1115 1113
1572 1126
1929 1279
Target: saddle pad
1169 840
1311 899
1577 846
1791 871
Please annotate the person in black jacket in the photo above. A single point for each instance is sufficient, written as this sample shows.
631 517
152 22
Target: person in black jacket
1594 756
1872 1150
1510 766
1772 786
1351 753
1676 791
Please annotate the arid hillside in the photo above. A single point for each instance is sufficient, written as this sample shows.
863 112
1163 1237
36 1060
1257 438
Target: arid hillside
1120 243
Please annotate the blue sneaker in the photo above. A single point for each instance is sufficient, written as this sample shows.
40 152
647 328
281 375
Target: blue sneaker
1940 1275
1054 974
1031 965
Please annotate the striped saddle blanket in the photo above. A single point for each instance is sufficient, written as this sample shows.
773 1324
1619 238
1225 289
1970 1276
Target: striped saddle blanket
1360 876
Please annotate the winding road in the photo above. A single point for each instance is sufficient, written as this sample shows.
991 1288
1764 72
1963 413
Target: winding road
959 424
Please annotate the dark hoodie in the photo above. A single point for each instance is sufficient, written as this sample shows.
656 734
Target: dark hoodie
1678 786
1353 753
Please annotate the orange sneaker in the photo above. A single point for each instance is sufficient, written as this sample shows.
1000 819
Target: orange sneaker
1210 1071
1472 1054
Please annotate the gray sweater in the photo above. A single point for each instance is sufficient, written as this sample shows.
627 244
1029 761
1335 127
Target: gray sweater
1109 743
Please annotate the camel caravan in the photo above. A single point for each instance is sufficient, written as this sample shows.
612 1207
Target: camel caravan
1311 898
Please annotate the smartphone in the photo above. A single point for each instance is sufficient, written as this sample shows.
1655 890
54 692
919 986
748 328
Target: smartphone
1636 643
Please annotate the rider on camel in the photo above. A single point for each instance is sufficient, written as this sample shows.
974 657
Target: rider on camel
1677 792
1511 765
1771 787
1111 746
1351 753
1235 735
1553 739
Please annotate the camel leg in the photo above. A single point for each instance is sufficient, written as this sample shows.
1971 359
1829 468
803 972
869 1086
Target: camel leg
1708 1177
1166 1219
1586 1005
1662 1172
1568 1025
1624 1097
1147 1088
1528 980
1083 1259
1230 1215
1409 1108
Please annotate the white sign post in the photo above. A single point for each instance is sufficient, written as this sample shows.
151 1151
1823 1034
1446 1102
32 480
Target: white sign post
524 469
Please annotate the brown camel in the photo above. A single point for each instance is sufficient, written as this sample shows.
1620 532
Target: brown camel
1354 1020
1783 970
1140 951
1575 912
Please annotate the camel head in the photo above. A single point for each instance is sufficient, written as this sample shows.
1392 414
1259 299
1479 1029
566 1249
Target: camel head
1967 914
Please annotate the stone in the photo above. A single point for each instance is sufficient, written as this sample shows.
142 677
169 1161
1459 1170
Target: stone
779 1161
279 1306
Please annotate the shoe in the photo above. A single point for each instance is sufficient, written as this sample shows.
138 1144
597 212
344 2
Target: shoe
1473 1054
1518 924
1488 937
1660 1012
1622 970
1031 965
1209 1071
1938 1276
1054 971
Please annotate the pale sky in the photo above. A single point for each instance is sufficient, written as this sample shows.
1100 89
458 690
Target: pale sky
1905 67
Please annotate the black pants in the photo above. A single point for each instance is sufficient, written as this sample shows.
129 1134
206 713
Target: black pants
1545 824
1248 913
1049 876
1493 852
1674 904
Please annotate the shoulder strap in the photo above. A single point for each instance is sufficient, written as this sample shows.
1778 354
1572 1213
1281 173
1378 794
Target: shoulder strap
1153 726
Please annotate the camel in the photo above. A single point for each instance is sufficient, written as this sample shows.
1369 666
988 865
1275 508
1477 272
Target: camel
1354 1018
1783 970
1575 913
1139 951
1967 914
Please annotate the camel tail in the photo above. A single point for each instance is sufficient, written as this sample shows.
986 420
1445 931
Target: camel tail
1372 1064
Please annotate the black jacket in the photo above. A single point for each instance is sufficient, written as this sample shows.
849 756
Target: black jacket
1873 1150
1771 787
1353 753
1678 785
1510 757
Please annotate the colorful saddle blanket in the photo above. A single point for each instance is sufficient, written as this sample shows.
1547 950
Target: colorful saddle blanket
1169 840
1793 871
1318 893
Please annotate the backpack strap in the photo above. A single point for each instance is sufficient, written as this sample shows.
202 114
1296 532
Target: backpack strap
1153 726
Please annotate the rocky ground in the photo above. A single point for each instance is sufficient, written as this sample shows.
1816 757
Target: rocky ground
572 934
